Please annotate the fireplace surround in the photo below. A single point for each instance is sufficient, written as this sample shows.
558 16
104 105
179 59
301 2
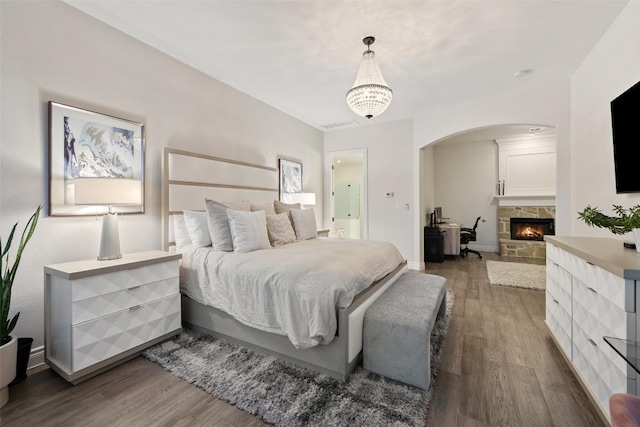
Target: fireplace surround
524 247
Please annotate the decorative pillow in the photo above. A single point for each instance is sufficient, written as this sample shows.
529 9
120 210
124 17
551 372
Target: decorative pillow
249 231
280 230
304 222
284 207
267 207
218 222
180 232
196 222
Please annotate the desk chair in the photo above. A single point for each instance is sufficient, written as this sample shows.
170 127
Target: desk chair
468 235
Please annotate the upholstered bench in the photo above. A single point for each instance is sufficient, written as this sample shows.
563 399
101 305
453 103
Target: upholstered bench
397 328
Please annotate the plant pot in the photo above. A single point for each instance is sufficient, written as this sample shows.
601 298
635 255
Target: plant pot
636 236
8 355
22 362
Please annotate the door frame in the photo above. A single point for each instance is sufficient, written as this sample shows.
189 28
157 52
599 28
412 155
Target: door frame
328 186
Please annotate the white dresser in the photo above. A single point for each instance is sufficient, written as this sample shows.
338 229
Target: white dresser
591 293
100 313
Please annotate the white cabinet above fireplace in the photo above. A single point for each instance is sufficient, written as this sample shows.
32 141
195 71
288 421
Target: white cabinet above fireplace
527 169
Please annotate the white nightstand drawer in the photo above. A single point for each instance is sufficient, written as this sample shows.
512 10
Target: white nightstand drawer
102 338
102 305
89 287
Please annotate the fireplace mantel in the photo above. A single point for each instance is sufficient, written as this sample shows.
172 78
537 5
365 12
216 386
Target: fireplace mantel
527 200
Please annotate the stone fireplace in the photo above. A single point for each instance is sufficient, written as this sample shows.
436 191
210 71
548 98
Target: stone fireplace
521 230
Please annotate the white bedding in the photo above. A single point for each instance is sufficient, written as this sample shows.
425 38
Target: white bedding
291 290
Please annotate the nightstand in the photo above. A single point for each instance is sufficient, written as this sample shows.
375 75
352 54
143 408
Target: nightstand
102 313
323 233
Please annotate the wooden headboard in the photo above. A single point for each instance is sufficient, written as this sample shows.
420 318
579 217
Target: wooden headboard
188 178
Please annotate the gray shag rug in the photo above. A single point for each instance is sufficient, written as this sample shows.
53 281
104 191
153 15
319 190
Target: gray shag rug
284 394
517 275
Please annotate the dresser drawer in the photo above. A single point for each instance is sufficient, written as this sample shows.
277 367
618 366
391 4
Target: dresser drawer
102 305
559 283
559 323
599 317
107 336
89 287
602 375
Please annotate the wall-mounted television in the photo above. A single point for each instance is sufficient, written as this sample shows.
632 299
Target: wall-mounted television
625 118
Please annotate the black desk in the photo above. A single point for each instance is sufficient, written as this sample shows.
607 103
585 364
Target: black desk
433 245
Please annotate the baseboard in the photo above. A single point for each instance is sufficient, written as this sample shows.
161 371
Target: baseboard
416 265
484 248
36 357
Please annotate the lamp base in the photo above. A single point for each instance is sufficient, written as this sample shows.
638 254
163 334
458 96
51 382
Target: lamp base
109 258
110 240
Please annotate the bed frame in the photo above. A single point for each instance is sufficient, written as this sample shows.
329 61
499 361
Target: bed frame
188 178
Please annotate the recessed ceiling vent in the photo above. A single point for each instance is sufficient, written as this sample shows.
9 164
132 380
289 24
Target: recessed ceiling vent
340 124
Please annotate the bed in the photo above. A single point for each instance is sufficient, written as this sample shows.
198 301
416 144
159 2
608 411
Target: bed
331 346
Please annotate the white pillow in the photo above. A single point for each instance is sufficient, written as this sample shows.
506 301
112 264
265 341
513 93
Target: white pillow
218 223
249 231
180 232
280 230
196 222
267 207
304 222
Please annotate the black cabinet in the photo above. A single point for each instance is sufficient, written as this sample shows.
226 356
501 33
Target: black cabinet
433 245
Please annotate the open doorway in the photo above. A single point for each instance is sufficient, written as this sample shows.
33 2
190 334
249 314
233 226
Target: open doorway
347 172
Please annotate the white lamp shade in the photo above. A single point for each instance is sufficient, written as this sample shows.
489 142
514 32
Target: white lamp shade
307 199
107 191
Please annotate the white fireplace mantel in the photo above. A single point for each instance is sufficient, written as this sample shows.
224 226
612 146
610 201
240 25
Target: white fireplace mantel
527 200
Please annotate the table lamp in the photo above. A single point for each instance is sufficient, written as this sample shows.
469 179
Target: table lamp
305 199
109 192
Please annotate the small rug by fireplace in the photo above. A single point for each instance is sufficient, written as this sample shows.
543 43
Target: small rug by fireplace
517 275
285 394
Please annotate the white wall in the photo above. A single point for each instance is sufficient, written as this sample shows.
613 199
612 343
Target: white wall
427 177
51 51
389 156
465 188
612 67
547 105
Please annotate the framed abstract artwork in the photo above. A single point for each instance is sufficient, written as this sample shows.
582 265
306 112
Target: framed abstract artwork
290 178
86 144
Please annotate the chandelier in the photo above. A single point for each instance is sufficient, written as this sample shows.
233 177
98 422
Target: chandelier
370 94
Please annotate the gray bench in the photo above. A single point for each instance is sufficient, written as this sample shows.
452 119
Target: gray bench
397 328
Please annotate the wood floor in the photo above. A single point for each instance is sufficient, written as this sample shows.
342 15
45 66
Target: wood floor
499 368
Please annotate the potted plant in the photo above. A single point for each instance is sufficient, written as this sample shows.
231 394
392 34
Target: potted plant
626 220
8 344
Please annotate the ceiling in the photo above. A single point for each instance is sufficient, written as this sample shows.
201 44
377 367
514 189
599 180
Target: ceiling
301 57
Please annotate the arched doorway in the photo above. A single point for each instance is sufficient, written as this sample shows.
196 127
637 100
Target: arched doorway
467 176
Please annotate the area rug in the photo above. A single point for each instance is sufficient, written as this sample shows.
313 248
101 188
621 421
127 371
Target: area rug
517 275
284 394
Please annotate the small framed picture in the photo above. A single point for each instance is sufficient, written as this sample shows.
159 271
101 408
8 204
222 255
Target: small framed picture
86 144
290 178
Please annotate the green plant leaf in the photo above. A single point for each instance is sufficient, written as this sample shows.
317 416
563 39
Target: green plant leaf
13 322
8 272
626 219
